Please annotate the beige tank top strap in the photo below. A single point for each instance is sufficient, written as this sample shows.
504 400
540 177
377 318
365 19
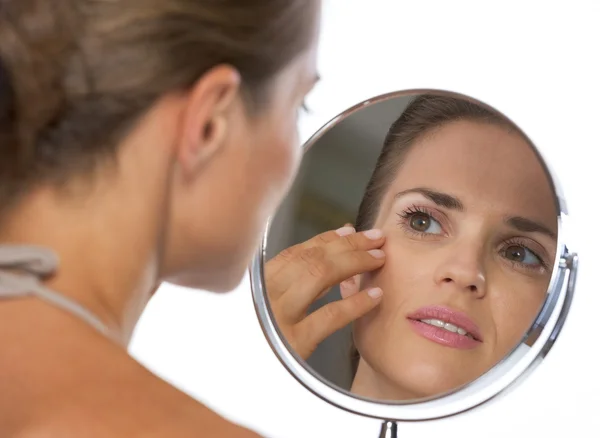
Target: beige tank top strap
21 270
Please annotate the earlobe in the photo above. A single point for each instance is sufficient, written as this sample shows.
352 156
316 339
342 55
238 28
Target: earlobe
210 105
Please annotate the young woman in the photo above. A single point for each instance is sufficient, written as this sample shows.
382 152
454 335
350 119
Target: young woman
140 141
453 255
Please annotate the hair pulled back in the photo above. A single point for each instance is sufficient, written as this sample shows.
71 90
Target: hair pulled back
75 75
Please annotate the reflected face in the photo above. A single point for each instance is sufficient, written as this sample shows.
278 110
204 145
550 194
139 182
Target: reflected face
470 225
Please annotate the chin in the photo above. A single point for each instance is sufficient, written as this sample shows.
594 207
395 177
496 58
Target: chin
229 283
409 372
425 380
222 281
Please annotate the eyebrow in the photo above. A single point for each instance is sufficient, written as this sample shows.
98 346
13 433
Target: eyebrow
528 226
453 203
441 199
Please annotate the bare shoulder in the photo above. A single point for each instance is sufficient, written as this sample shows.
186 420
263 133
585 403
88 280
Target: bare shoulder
130 403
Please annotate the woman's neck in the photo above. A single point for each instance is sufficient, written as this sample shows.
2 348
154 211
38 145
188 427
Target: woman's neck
107 246
108 227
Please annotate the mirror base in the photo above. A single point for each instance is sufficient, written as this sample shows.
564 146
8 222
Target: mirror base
389 429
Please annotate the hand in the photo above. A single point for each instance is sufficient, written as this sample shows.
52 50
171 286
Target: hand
303 273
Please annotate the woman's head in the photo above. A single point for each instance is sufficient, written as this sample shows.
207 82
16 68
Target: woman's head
180 113
470 223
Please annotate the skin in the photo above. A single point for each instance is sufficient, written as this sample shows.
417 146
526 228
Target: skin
302 273
146 221
456 258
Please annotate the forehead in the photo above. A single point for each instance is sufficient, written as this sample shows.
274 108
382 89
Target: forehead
301 71
297 78
488 167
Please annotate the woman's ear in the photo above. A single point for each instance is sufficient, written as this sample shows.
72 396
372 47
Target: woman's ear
207 117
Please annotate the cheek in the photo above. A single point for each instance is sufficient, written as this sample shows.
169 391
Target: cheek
514 306
279 158
405 279
404 274
290 156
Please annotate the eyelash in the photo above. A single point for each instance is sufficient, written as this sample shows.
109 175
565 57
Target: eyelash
304 107
515 241
406 215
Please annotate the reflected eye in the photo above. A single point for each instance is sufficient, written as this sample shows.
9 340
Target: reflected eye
420 222
521 254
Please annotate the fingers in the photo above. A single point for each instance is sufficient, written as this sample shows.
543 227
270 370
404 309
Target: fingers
321 266
350 286
334 316
288 254
319 271
365 240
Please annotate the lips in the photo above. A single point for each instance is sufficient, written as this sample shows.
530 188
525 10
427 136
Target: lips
458 324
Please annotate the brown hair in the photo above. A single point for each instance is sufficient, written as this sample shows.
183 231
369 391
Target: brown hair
75 75
423 115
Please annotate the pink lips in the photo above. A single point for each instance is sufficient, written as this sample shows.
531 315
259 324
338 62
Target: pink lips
442 336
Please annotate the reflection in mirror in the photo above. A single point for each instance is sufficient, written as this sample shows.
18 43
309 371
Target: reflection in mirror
415 248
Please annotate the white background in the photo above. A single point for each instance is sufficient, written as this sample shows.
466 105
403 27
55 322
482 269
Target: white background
535 61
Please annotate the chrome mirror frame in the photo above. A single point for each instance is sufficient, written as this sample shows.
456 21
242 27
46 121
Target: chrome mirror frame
507 374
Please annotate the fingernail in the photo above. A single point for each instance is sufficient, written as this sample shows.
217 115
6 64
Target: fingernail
345 231
374 234
376 292
377 253
347 283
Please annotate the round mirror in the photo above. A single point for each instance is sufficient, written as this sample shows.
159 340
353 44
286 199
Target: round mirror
418 267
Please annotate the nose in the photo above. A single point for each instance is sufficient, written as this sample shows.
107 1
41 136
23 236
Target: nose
464 269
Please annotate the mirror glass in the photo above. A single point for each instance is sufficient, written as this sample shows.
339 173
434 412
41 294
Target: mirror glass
415 248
